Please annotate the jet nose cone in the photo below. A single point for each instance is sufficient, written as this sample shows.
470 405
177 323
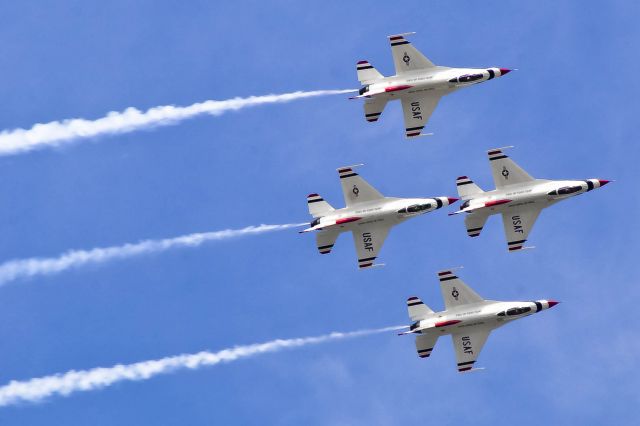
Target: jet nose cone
603 182
504 71
552 303
452 200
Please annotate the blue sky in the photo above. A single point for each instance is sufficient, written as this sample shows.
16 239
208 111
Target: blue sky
570 110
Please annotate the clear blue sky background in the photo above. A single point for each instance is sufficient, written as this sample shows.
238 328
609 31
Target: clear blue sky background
571 111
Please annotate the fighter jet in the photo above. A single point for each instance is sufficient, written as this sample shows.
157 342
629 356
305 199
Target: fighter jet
518 197
418 83
368 215
467 317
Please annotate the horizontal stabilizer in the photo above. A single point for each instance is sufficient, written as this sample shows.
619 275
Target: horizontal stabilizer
373 108
367 73
417 309
474 223
318 206
325 241
467 188
425 344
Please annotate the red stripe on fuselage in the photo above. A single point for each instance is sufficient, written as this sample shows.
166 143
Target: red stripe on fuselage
397 88
347 220
446 323
496 203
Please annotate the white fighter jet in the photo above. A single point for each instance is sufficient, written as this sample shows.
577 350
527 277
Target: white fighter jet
467 317
518 197
418 83
368 215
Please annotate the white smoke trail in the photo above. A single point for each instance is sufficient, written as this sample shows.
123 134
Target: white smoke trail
58 133
23 268
36 389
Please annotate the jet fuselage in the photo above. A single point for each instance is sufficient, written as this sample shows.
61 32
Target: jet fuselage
441 79
390 211
487 315
540 193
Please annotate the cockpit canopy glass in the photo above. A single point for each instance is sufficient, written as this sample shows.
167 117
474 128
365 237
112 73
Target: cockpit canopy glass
514 311
566 190
415 208
517 311
467 78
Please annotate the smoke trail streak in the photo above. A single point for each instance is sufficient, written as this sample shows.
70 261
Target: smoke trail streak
57 133
23 268
36 389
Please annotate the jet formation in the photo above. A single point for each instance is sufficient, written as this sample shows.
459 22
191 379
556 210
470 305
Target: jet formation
518 197
368 214
467 317
418 83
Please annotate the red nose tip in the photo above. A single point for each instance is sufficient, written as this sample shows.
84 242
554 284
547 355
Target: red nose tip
552 303
504 71
452 200
603 182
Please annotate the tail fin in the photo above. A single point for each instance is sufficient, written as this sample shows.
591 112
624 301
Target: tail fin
466 187
367 73
318 206
417 310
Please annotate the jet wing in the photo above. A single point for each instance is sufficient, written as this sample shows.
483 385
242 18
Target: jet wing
517 225
368 241
407 58
505 171
468 346
455 292
417 110
325 241
425 344
373 108
355 189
